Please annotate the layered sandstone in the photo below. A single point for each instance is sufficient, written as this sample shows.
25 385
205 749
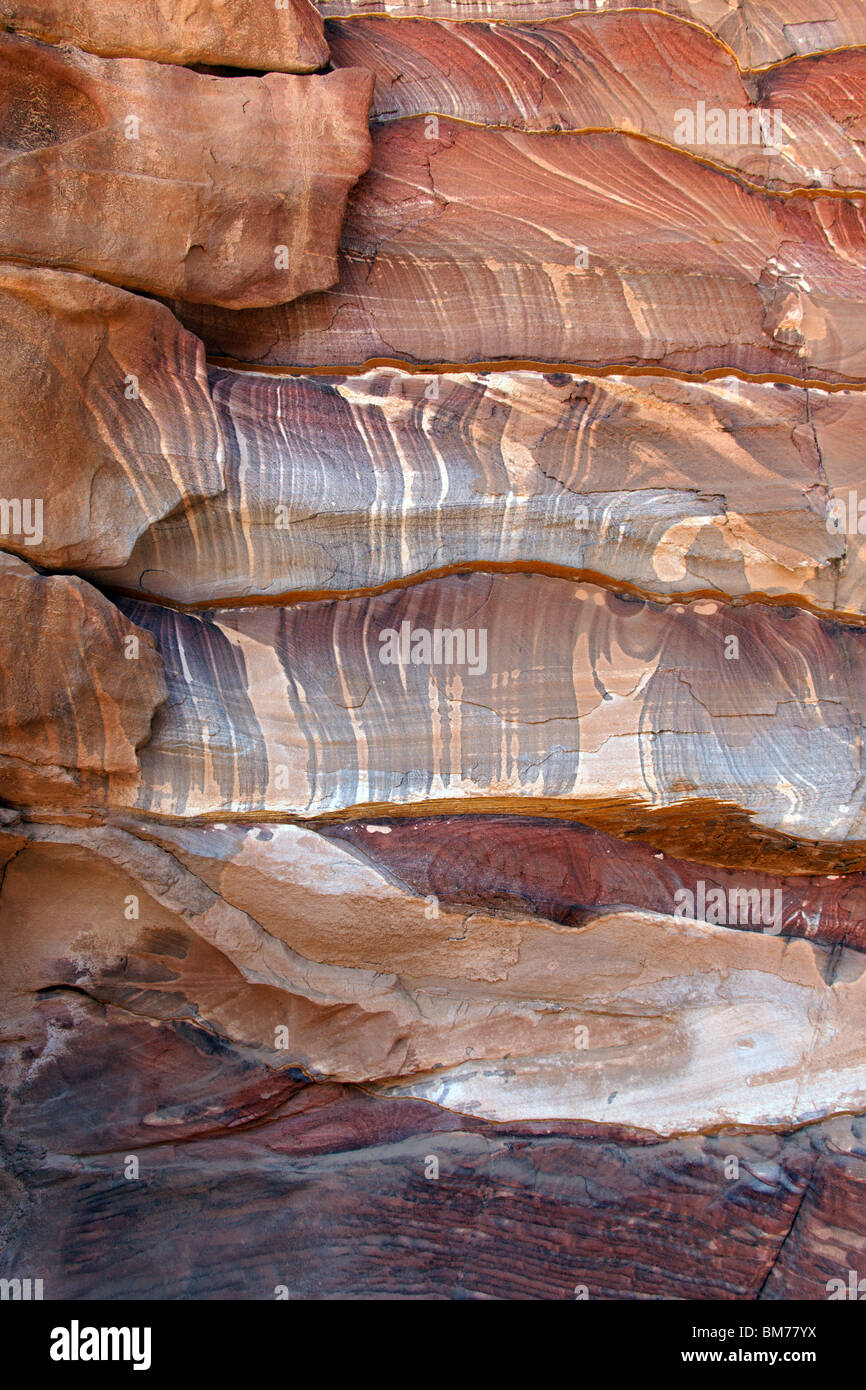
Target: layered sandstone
674 489
226 1144
795 126
504 691
571 873
281 942
759 32
594 250
432 832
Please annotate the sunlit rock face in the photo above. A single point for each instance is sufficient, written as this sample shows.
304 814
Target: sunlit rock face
432 823
288 37
230 191
791 127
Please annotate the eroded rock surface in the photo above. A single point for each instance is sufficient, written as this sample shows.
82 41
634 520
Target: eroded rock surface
218 190
432 829
499 692
793 126
106 420
274 939
80 686
595 250
284 38
673 489
759 32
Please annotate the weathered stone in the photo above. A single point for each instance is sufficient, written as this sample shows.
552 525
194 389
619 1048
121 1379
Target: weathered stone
220 190
106 419
278 38
791 127
79 686
592 251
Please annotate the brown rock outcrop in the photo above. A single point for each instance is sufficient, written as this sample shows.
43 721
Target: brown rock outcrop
79 686
226 191
288 37
106 419
133 1017
571 873
518 1211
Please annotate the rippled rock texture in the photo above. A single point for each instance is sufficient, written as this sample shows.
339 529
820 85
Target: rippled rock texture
433 571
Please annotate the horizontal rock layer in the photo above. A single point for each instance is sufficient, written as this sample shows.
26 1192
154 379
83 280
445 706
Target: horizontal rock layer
591 250
152 992
283 943
506 1217
235 188
555 692
727 489
503 692
285 38
572 873
759 32
254 486
590 72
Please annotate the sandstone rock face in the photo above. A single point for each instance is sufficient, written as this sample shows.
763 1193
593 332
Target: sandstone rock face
107 419
432 819
80 686
411 700
571 873
617 1022
229 191
577 74
759 32
595 277
284 38
674 489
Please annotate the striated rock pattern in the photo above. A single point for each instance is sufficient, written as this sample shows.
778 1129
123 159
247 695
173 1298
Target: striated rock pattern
285 38
518 1211
256 931
106 422
591 250
579 74
506 691
432 820
727 489
759 32
571 873
225 191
